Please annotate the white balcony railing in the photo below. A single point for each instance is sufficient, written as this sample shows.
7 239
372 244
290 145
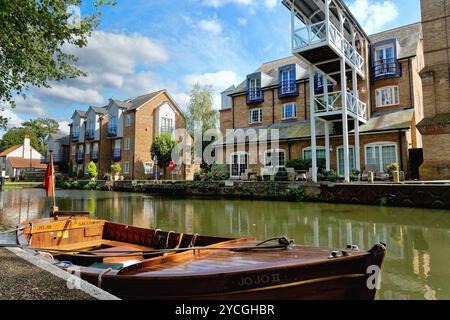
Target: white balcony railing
334 103
316 33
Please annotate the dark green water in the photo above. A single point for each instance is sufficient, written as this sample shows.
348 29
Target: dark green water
418 240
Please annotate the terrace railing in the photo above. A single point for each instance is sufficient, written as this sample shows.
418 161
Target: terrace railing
386 68
116 155
75 136
79 157
112 131
90 134
255 95
334 103
288 88
94 156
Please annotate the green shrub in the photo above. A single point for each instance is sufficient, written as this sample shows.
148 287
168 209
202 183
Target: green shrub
354 174
297 194
116 167
92 170
329 176
93 185
393 167
298 164
220 172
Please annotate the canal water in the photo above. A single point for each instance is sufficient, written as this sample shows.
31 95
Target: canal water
418 240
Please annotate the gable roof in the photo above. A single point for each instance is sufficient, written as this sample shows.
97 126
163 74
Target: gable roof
9 150
271 69
98 110
81 113
21 163
408 38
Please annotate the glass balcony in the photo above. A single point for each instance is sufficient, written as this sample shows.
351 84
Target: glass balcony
255 95
112 131
90 134
386 68
79 158
94 156
116 155
75 136
288 88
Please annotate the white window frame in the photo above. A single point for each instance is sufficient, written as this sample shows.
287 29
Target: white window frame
127 144
381 144
128 120
350 147
260 116
73 150
275 151
283 111
88 149
379 97
126 167
149 165
239 154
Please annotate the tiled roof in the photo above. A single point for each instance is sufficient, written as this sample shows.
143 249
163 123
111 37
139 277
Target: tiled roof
99 110
139 101
81 113
9 150
271 69
21 163
407 36
301 129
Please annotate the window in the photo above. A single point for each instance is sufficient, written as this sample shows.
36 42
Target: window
88 149
148 167
73 151
239 163
340 160
381 155
166 125
255 88
127 144
275 158
128 120
255 116
126 168
320 154
289 111
387 96
287 80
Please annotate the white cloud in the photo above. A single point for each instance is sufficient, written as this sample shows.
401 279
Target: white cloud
13 119
64 127
242 21
219 80
74 94
211 25
374 15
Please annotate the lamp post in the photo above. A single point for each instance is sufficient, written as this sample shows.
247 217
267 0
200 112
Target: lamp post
155 159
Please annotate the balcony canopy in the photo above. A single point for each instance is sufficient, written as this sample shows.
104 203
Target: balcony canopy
313 11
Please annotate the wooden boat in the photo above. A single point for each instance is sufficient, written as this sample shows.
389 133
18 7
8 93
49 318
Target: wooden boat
138 263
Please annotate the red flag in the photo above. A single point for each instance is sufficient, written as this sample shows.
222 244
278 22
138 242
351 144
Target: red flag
48 179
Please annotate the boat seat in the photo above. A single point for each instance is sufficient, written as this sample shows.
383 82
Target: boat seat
110 254
112 243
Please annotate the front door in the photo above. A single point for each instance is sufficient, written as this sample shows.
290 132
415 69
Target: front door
239 163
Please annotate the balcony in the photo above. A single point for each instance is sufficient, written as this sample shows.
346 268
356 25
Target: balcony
332 108
75 137
112 131
288 88
94 156
386 68
116 155
90 134
79 158
255 95
321 42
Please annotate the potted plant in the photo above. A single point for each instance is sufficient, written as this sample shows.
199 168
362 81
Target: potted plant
394 172
281 175
116 169
92 171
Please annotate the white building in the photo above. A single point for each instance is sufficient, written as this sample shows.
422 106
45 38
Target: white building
18 159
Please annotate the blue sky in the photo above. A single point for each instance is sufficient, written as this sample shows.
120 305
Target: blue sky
146 45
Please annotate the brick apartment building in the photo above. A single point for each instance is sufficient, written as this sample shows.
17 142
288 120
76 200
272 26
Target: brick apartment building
383 82
435 127
123 132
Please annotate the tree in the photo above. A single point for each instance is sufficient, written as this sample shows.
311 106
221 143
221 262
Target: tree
92 170
200 110
162 148
41 128
32 36
15 137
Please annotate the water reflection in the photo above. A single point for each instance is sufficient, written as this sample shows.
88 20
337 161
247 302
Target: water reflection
418 240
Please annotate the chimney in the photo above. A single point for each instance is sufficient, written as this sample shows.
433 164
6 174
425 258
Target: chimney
26 147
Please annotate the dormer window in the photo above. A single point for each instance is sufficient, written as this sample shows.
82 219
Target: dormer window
385 62
112 126
254 90
287 81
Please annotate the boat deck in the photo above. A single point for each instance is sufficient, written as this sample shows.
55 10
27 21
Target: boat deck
213 262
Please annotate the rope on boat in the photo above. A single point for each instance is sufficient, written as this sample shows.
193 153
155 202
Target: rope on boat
11 230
